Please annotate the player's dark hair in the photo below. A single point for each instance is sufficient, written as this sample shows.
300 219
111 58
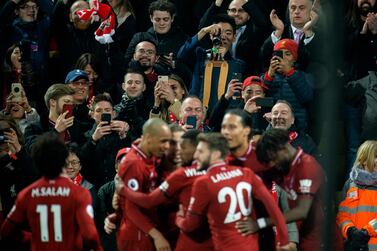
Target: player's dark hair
49 154
246 120
272 141
216 142
191 136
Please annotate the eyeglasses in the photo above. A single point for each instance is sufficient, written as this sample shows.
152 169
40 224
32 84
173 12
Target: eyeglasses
234 11
148 52
29 7
73 163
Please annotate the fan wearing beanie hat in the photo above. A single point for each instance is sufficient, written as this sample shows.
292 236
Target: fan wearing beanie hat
286 82
252 88
283 58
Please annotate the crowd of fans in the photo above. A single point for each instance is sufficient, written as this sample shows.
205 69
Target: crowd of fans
159 101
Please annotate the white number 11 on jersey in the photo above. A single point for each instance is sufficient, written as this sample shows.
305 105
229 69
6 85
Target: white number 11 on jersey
43 219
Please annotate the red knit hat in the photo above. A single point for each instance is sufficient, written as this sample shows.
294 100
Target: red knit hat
253 80
287 44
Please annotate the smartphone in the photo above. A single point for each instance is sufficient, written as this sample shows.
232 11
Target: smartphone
191 120
69 108
163 78
265 102
16 91
278 53
238 76
106 117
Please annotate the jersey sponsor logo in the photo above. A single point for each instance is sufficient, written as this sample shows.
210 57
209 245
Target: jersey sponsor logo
164 186
133 184
50 191
305 185
89 211
226 175
191 172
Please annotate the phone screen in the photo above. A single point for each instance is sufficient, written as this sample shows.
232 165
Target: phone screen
191 120
278 53
162 78
265 102
106 117
69 108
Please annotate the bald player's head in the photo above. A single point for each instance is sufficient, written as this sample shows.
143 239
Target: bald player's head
156 137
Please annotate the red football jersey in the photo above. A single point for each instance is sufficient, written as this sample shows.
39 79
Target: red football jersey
180 183
306 178
138 173
59 213
249 159
224 194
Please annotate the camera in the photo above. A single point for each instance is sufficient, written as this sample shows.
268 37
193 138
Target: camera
216 41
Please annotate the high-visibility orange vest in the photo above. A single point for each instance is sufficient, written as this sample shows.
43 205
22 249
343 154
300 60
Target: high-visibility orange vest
359 209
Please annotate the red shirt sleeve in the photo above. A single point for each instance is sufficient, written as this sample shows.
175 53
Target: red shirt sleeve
310 178
173 183
84 217
198 204
133 179
261 193
153 199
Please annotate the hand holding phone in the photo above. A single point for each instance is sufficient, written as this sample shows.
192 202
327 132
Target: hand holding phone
17 92
277 54
162 79
237 76
265 102
69 108
191 120
106 117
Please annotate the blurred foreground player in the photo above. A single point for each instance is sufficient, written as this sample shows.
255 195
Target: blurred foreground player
59 213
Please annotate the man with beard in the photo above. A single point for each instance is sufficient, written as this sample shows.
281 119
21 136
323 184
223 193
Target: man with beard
57 121
302 178
224 194
236 128
177 185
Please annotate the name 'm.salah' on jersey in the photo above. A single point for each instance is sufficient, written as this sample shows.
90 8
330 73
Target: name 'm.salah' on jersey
59 213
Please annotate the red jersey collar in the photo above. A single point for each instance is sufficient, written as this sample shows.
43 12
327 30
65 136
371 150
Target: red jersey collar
297 157
217 165
139 151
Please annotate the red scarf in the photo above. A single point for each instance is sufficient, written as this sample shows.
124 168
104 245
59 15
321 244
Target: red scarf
77 180
292 136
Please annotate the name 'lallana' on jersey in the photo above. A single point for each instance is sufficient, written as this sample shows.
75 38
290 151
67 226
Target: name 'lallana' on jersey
50 191
226 175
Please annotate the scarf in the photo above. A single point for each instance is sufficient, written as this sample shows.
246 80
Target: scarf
362 177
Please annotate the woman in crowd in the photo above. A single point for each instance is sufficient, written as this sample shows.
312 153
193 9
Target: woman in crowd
357 224
168 99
